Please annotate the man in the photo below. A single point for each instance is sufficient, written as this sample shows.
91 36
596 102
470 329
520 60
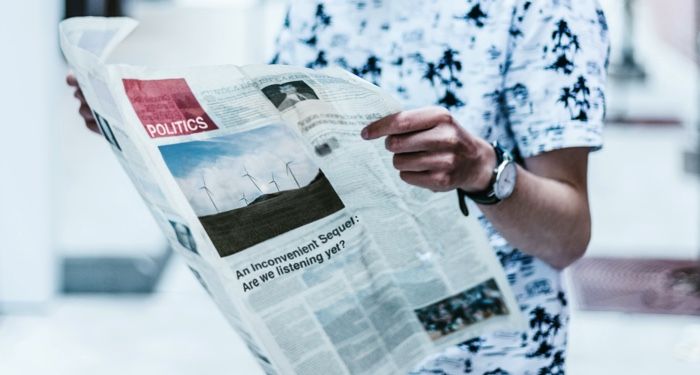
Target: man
527 75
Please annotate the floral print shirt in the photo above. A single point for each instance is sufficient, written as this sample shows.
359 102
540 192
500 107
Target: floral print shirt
527 73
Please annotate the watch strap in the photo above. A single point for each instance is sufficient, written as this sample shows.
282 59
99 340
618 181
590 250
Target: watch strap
461 197
488 196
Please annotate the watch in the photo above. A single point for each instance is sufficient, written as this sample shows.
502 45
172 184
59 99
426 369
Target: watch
502 181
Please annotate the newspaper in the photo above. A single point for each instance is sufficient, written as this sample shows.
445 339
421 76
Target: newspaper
321 258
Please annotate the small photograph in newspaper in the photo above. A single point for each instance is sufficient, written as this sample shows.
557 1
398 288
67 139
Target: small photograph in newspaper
286 95
251 186
458 312
183 233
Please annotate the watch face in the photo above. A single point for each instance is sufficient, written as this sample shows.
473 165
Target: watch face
505 182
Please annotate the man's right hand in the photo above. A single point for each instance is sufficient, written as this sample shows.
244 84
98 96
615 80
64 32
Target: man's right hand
84 110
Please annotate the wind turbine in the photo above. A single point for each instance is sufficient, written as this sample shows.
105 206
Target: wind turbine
290 172
252 179
206 190
274 182
244 199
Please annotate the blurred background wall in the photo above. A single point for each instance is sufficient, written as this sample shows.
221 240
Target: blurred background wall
31 68
71 222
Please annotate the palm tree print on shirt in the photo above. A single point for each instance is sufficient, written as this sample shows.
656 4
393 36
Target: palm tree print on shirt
498 371
443 74
565 46
506 101
372 69
576 99
544 326
319 62
475 16
557 365
321 21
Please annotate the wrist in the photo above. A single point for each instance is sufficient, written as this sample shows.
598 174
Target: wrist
486 164
503 179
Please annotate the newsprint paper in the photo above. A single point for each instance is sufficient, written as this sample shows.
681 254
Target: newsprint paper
320 257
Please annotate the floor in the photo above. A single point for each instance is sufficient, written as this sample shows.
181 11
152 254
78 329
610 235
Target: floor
643 205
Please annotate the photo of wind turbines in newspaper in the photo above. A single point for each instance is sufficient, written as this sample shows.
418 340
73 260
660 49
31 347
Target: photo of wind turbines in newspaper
252 186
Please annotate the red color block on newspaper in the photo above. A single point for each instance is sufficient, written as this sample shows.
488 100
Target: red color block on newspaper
167 107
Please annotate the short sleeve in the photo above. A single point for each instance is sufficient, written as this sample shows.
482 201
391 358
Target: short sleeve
554 75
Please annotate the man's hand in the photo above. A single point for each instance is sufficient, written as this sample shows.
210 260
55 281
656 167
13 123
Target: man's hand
433 151
84 110
547 216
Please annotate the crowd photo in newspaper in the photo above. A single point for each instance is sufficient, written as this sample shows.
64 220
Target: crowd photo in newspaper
319 256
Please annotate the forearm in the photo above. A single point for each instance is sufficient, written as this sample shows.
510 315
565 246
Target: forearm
544 217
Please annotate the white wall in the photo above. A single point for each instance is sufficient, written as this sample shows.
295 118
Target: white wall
28 68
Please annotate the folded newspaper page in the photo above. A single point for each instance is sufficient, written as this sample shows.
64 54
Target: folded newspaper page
321 258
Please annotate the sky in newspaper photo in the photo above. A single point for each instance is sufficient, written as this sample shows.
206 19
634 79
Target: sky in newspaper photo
252 186
228 172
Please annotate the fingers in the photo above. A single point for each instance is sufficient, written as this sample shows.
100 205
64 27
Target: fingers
78 94
90 121
84 110
431 150
433 180
86 113
92 125
407 122
439 138
71 80
424 161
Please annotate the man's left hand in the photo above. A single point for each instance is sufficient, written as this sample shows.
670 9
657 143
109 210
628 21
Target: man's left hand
433 151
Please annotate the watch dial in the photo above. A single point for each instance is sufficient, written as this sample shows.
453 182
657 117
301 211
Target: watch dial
506 181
